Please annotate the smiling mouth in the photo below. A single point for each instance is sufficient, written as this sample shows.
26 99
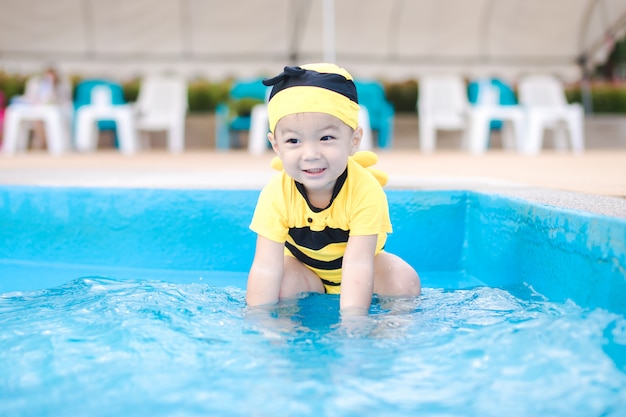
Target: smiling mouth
314 170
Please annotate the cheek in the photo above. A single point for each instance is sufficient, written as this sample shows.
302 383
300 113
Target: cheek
339 160
289 159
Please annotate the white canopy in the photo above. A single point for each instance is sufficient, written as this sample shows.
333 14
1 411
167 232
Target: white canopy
391 39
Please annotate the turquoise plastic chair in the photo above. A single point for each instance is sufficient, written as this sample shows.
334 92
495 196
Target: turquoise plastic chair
381 112
506 96
228 123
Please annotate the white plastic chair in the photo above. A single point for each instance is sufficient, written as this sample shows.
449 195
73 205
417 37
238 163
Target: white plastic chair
259 127
367 141
442 105
546 107
23 111
162 106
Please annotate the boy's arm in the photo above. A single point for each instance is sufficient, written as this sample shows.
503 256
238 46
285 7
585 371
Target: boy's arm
357 276
266 273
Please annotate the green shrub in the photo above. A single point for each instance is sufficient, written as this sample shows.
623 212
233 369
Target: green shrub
243 106
12 85
605 98
204 96
131 90
402 95
609 99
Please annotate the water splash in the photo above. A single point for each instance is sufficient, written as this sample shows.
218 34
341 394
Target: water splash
100 347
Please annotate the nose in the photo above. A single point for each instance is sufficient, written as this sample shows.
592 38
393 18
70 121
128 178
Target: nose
310 150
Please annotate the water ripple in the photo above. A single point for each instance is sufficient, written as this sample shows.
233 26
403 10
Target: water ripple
99 346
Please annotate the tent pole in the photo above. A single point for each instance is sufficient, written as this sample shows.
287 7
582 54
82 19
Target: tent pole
299 10
328 12
585 87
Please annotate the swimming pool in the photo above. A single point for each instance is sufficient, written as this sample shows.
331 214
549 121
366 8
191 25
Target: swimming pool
118 301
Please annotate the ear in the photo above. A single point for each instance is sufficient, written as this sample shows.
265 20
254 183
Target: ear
357 135
272 139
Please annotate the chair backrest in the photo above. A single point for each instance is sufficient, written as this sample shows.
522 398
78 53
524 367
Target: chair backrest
41 89
253 89
483 92
243 96
541 90
103 91
491 91
31 89
162 95
371 94
442 95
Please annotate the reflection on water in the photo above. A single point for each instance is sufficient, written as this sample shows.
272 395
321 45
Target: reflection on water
99 347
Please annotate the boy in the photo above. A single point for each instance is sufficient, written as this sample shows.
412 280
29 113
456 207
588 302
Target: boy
322 223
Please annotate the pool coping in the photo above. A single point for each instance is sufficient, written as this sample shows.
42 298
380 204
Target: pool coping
591 203
531 179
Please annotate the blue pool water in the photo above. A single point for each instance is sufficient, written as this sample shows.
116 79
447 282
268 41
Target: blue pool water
103 347
131 302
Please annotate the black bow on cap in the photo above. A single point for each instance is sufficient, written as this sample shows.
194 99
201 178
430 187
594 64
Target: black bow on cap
287 72
298 76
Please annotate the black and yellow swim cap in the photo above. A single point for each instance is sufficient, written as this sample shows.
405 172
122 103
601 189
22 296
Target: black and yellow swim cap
317 88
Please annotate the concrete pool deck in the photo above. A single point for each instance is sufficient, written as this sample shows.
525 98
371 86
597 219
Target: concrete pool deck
593 181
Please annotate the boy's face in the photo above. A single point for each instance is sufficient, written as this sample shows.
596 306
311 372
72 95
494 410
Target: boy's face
314 148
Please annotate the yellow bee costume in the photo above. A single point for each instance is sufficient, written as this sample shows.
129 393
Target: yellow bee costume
318 237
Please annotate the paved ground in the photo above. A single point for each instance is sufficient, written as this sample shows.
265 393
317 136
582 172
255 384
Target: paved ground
594 181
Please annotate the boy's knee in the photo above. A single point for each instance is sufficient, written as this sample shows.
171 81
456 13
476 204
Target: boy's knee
405 282
411 284
397 278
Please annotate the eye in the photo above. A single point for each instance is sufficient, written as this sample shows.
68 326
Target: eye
326 138
292 141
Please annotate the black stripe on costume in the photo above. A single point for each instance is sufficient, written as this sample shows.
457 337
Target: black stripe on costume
305 237
330 283
314 263
297 77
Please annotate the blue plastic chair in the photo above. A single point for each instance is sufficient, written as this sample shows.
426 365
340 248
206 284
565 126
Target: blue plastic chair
83 97
381 112
228 124
506 95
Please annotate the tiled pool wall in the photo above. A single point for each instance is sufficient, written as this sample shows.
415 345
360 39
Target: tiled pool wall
562 253
48 234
